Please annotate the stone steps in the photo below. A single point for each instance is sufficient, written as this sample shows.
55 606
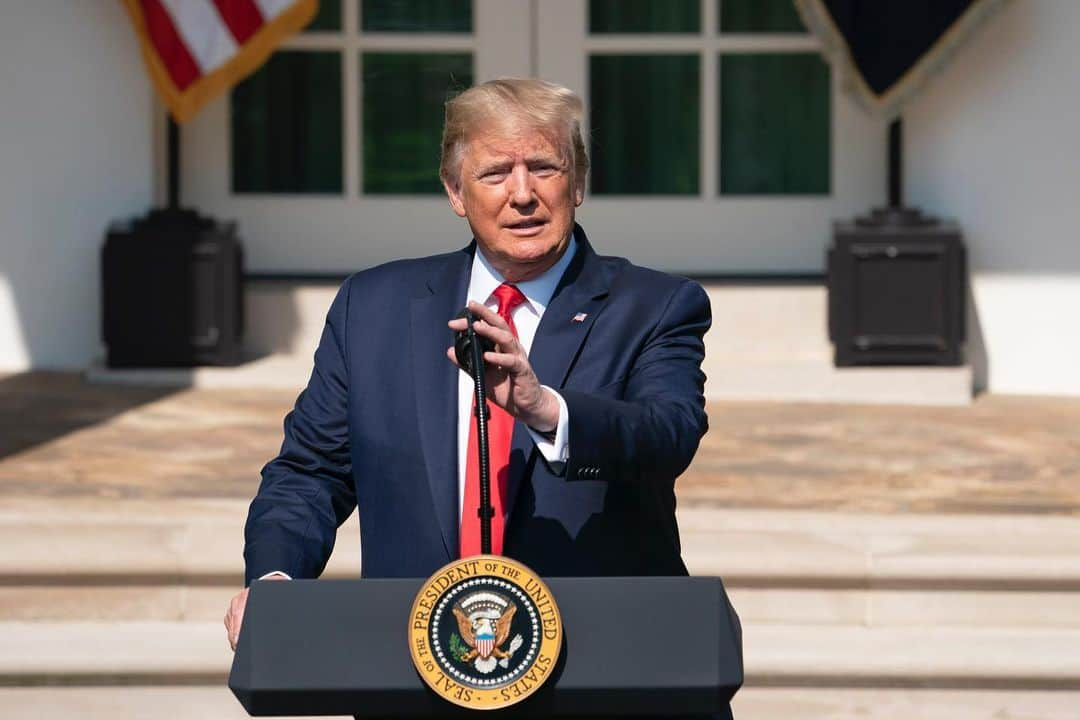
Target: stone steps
752 703
117 605
199 542
121 702
781 605
155 652
769 341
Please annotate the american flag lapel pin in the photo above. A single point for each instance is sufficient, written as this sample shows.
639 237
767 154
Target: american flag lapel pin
580 317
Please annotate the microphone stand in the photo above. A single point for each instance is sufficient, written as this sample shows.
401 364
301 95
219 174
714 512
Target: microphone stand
485 511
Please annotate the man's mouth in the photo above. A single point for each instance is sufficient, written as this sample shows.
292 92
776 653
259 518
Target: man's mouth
525 224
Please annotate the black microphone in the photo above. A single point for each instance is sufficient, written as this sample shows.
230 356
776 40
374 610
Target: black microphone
469 349
463 343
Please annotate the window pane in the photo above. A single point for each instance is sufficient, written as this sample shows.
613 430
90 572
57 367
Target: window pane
774 124
403 98
644 16
328 18
444 16
645 127
759 16
286 126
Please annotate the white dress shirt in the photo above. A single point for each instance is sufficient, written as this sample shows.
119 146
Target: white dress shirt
482 283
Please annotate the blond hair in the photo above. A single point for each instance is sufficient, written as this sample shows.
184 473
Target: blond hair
552 110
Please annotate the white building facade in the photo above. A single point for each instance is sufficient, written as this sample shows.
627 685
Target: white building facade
745 148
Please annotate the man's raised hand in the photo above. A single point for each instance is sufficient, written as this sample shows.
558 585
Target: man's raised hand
511 382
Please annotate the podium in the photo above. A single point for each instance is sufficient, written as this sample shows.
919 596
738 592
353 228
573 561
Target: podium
632 646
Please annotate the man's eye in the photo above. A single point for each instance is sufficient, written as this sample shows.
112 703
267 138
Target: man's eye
493 178
545 170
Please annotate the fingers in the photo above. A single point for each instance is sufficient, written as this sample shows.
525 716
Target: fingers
504 339
501 337
234 617
483 314
488 315
515 364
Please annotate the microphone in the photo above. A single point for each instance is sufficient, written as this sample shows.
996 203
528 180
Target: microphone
469 349
463 344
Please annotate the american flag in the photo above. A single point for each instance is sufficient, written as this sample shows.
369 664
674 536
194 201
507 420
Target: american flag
197 49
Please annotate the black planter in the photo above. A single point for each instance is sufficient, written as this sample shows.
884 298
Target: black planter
897 283
172 290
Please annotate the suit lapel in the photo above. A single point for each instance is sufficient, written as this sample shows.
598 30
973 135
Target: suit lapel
436 387
583 291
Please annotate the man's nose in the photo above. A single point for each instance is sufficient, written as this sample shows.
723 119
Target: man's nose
521 190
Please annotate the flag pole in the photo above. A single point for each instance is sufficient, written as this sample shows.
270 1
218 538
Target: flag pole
173 162
896 163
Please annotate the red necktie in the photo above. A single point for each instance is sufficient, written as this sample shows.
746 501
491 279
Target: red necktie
500 433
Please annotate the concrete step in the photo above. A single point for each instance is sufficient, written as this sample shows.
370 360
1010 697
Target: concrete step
769 341
276 372
195 702
816 606
199 542
148 653
805 548
752 703
130 594
760 703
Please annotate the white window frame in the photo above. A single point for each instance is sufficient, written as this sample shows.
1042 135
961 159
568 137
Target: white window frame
704 234
303 233
710 233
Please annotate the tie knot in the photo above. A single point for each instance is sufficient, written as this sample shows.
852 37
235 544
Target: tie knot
508 297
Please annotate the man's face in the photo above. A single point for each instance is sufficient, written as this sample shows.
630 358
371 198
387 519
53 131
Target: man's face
519 198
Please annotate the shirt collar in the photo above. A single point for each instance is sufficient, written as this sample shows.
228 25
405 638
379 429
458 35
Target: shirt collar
538 291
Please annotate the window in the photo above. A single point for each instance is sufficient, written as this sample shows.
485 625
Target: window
353 105
286 126
645 124
663 122
709 121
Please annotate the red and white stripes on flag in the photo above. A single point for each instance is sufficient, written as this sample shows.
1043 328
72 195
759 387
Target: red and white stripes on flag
196 49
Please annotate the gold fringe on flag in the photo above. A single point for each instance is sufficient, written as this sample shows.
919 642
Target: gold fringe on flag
184 104
889 104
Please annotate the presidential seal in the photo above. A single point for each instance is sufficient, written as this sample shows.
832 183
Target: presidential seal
484 632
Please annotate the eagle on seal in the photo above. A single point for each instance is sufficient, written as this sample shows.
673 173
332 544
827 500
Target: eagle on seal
485 631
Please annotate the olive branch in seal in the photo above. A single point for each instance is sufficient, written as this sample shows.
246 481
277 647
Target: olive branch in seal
458 648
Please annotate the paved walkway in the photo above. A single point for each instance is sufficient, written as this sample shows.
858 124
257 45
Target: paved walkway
60 436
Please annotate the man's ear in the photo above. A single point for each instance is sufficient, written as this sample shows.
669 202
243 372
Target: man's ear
579 192
453 193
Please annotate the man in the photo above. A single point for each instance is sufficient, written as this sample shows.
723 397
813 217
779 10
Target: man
595 379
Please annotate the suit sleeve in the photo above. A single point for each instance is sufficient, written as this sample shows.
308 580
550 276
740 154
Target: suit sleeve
307 491
653 428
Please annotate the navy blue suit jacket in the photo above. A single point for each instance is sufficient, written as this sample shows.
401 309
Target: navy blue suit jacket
377 426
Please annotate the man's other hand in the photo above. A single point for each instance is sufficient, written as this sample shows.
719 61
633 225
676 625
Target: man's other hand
511 382
234 616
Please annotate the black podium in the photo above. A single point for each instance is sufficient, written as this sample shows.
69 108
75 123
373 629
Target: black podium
632 646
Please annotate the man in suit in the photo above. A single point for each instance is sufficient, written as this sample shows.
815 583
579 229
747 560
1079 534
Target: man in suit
595 381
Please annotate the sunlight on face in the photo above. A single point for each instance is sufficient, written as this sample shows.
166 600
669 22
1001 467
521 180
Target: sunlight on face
518 194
